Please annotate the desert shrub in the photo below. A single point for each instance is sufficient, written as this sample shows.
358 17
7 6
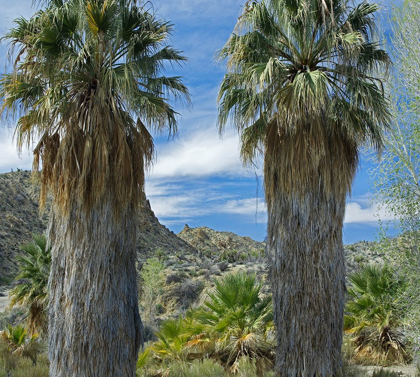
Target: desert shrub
373 317
25 368
229 256
222 244
15 343
202 234
193 273
173 278
255 254
248 368
187 292
242 256
150 289
161 254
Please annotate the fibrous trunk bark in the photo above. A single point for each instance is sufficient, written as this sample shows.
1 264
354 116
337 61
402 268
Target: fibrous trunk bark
305 219
94 322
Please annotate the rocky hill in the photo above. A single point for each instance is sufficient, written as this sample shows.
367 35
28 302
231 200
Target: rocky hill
198 247
20 218
218 245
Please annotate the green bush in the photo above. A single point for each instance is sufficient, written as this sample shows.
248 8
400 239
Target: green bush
235 321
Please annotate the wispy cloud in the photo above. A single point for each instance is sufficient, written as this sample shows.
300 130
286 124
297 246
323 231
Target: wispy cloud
249 206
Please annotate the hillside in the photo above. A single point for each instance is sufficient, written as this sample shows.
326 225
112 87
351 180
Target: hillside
199 247
19 218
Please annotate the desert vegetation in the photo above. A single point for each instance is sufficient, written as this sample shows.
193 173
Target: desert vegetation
306 88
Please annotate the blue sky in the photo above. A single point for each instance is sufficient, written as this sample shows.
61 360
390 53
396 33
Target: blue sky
197 178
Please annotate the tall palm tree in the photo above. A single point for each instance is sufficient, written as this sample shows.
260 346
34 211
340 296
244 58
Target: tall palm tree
32 281
304 88
87 83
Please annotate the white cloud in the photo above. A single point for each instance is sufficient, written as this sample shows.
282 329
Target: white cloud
9 156
181 206
201 153
249 206
358 212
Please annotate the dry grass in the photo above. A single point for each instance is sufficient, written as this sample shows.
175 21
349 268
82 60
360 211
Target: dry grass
24 367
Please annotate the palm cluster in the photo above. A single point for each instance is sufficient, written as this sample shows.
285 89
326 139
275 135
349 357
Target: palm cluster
87 83
234 321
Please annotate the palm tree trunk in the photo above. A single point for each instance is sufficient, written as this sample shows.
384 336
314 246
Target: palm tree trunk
305 192
94 322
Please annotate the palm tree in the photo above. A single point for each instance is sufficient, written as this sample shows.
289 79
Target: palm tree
234 321
17 342
32 282
373 315
303 87
87 84
173 337
239 321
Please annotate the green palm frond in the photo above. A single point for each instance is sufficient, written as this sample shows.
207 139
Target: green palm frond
305 67
238 320
234 321
372 317
31 287
88 78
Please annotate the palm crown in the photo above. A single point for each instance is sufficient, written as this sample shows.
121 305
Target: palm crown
304 66
87 81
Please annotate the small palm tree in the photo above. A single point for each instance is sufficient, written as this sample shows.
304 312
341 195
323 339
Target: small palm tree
304 88
19 343
373 316
239 322
32 282
173 337
235 321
